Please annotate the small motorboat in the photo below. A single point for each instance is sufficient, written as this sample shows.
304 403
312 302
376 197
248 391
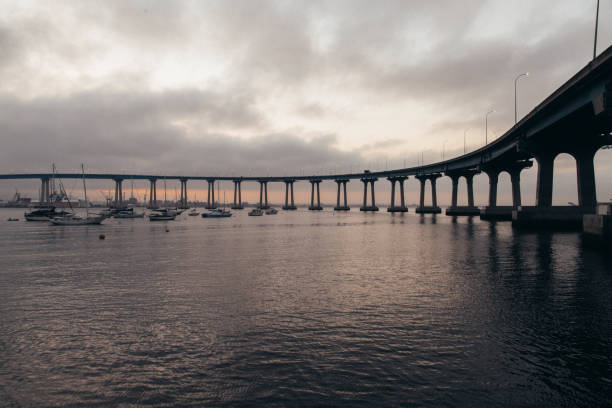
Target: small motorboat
217 213
256 212
271 211
13 219
162 214
193 213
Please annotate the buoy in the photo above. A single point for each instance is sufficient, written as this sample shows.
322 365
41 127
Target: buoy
167 230
102 236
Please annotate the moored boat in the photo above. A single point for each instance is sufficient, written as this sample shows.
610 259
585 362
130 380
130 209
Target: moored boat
128 214
76 220
256 212
71 219
217 213
162 214
45 214
271 211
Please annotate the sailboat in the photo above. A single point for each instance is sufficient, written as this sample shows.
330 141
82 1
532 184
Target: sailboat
75 219
165 213
218 212
46 211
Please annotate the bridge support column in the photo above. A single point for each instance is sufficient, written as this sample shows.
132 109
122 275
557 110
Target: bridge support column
456 209
492 212
210 202
493 179
263 195
544 191
289 204
515 178
341 186
469 179
118 193
44 190
402 207
365 206
184 200
237 195
433 209
152 193
544 214
312 206
455 182
504 213
587 194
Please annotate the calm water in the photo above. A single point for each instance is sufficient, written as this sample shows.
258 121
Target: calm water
302 309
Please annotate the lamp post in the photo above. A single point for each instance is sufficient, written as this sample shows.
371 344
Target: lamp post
464 132
596 23
524 74
487 126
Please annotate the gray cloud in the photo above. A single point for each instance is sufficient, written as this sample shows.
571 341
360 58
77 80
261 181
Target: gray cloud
145 132
367 53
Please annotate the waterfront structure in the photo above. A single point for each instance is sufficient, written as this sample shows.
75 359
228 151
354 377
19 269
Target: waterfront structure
575 119
344 206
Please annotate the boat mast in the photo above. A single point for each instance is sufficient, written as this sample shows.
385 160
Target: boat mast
85 192
53 180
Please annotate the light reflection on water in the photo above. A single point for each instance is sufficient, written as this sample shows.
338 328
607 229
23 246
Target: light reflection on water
302 309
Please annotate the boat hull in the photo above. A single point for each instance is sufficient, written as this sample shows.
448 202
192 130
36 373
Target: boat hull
129 215
36 218
77 221
162 217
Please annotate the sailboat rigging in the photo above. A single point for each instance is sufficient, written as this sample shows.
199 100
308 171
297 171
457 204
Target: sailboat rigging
70 219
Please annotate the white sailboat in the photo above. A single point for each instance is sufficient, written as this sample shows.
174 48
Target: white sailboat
218 212
75 219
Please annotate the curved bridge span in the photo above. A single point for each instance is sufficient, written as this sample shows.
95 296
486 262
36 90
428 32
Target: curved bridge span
575 119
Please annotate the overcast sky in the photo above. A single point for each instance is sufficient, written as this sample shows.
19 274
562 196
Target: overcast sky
275 87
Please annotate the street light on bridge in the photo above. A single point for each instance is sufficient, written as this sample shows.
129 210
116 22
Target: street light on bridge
524 74
464 132
487 126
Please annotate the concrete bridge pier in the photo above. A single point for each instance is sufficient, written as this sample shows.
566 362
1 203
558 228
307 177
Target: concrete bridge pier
44 190
544 214
312 205
289 205
210 202
263 195
237 205
494 212
402 207
470 209
118 192
183 201
342 188
152 193
433 209
365 206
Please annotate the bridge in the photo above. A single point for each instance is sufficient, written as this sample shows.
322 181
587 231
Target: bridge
575 119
